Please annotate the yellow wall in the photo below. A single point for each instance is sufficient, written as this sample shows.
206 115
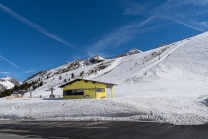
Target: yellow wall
112 95
89 89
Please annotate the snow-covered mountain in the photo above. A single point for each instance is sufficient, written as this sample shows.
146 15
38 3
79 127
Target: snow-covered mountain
131 52
2 88
66 69
166 84
97 67
166 63
7 83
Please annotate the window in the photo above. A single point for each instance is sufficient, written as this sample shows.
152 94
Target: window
77 90
73 92
100 90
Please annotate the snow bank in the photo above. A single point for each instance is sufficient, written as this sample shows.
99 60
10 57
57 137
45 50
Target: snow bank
178 110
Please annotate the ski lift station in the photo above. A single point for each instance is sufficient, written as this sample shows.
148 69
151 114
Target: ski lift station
81 88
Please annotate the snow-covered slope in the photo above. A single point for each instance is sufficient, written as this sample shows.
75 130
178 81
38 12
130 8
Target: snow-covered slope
7 83
166 84
182 71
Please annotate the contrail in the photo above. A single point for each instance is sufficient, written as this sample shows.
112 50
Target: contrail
33 25
4 72
11 63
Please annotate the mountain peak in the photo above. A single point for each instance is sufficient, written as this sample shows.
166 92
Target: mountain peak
131 52
94 59
97 57
7 83
8 78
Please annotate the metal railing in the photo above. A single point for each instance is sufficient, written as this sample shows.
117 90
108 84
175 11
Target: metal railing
13 97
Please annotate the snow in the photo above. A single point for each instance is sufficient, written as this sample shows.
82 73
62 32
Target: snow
6 82
171 89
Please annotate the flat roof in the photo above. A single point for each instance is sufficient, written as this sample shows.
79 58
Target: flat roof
61 86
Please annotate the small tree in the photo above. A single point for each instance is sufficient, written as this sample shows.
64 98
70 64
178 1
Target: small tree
72 75
60 77
34 87
64 80
82 73
15 87
41 83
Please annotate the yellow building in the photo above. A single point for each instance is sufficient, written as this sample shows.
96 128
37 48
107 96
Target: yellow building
81 88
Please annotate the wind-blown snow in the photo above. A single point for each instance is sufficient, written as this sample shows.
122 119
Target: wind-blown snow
166 84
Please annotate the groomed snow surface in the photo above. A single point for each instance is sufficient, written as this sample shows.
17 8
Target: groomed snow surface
173 89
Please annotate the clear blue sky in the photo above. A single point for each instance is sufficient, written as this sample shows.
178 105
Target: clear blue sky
38 35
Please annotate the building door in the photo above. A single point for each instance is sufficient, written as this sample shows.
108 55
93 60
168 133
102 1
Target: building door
109 91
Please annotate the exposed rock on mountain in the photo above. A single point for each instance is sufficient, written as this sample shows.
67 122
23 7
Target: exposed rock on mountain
93 60
131 52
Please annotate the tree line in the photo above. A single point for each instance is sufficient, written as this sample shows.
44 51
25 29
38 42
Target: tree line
21 89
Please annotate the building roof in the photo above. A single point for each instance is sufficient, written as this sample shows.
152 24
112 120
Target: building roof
85 81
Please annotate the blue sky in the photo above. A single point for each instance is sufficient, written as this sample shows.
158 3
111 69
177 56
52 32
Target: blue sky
38 35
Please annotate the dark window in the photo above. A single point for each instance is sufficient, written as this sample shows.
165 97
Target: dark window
73 92
100 90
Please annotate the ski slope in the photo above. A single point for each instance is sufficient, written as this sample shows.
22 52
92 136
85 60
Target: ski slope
171 89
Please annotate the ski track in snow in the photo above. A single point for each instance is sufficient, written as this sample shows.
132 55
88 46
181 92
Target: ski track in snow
155 63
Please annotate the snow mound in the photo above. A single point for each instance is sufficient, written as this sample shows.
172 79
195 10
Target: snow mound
178 110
